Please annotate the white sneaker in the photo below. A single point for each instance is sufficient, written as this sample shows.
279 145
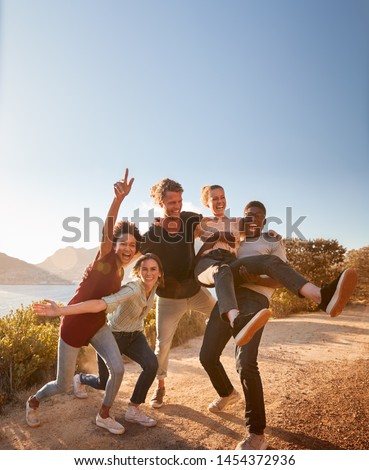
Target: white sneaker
110 424
253 442
32 416
78 388
220 403
135 415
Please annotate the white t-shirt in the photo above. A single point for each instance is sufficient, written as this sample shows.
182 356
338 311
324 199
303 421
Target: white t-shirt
264 245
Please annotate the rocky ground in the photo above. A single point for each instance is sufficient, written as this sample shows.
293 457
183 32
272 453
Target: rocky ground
316 381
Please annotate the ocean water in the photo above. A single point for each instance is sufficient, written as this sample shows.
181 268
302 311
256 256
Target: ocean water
12 297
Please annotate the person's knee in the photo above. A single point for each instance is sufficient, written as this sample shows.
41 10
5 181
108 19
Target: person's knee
62 387
117 371
224 270
224 267
246 369
151 365
202 358
207 359
224 274
101 384
162 346
271 259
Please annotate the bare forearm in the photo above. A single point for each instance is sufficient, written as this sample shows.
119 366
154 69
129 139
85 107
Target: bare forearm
111 219
89 306
121 190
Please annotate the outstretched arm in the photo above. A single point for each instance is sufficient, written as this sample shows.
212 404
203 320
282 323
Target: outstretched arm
121 189
51 309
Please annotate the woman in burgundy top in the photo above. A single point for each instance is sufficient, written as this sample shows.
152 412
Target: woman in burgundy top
119 245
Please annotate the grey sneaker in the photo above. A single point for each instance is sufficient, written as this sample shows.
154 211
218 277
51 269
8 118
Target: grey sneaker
157 398
220 403
78 388
135 415
337 293
253 442
32 416
110 424
246 325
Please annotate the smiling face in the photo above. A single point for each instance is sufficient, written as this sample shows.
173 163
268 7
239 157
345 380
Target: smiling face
172 203
217 202
125 248
254 226
149 273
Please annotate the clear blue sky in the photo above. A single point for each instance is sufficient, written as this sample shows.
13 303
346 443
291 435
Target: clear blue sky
268 98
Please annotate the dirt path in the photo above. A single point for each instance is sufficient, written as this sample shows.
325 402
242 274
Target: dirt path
316 383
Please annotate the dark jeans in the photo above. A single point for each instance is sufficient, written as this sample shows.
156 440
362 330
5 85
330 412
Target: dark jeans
221 269
133 345
217 335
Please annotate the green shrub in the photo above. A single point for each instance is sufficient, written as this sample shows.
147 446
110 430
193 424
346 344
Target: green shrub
359 259
28 349
28 346
284 303
319 261
150 326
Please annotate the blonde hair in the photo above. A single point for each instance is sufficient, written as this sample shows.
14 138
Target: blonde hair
159 190
136 268
205 193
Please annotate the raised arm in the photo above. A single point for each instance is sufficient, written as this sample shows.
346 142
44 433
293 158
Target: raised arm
51 309
121 189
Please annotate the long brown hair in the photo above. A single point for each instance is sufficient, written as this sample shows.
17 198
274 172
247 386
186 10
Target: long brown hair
136 268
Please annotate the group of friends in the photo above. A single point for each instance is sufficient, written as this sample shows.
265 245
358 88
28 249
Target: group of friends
242 262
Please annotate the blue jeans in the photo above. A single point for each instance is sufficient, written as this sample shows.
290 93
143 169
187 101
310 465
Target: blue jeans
134 345
104 343
221 268
217 335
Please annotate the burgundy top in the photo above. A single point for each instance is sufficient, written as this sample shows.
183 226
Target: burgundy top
102 277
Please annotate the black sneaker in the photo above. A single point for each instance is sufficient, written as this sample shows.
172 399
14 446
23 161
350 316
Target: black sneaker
336 294
157 398
246 325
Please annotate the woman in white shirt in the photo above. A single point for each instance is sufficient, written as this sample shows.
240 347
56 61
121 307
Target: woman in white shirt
126 311
217 266
221 236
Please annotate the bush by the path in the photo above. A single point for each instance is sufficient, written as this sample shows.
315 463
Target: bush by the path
28 346
28 349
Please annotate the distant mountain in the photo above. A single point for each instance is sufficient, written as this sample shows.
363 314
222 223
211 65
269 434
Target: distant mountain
16 271
69 263
65 266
